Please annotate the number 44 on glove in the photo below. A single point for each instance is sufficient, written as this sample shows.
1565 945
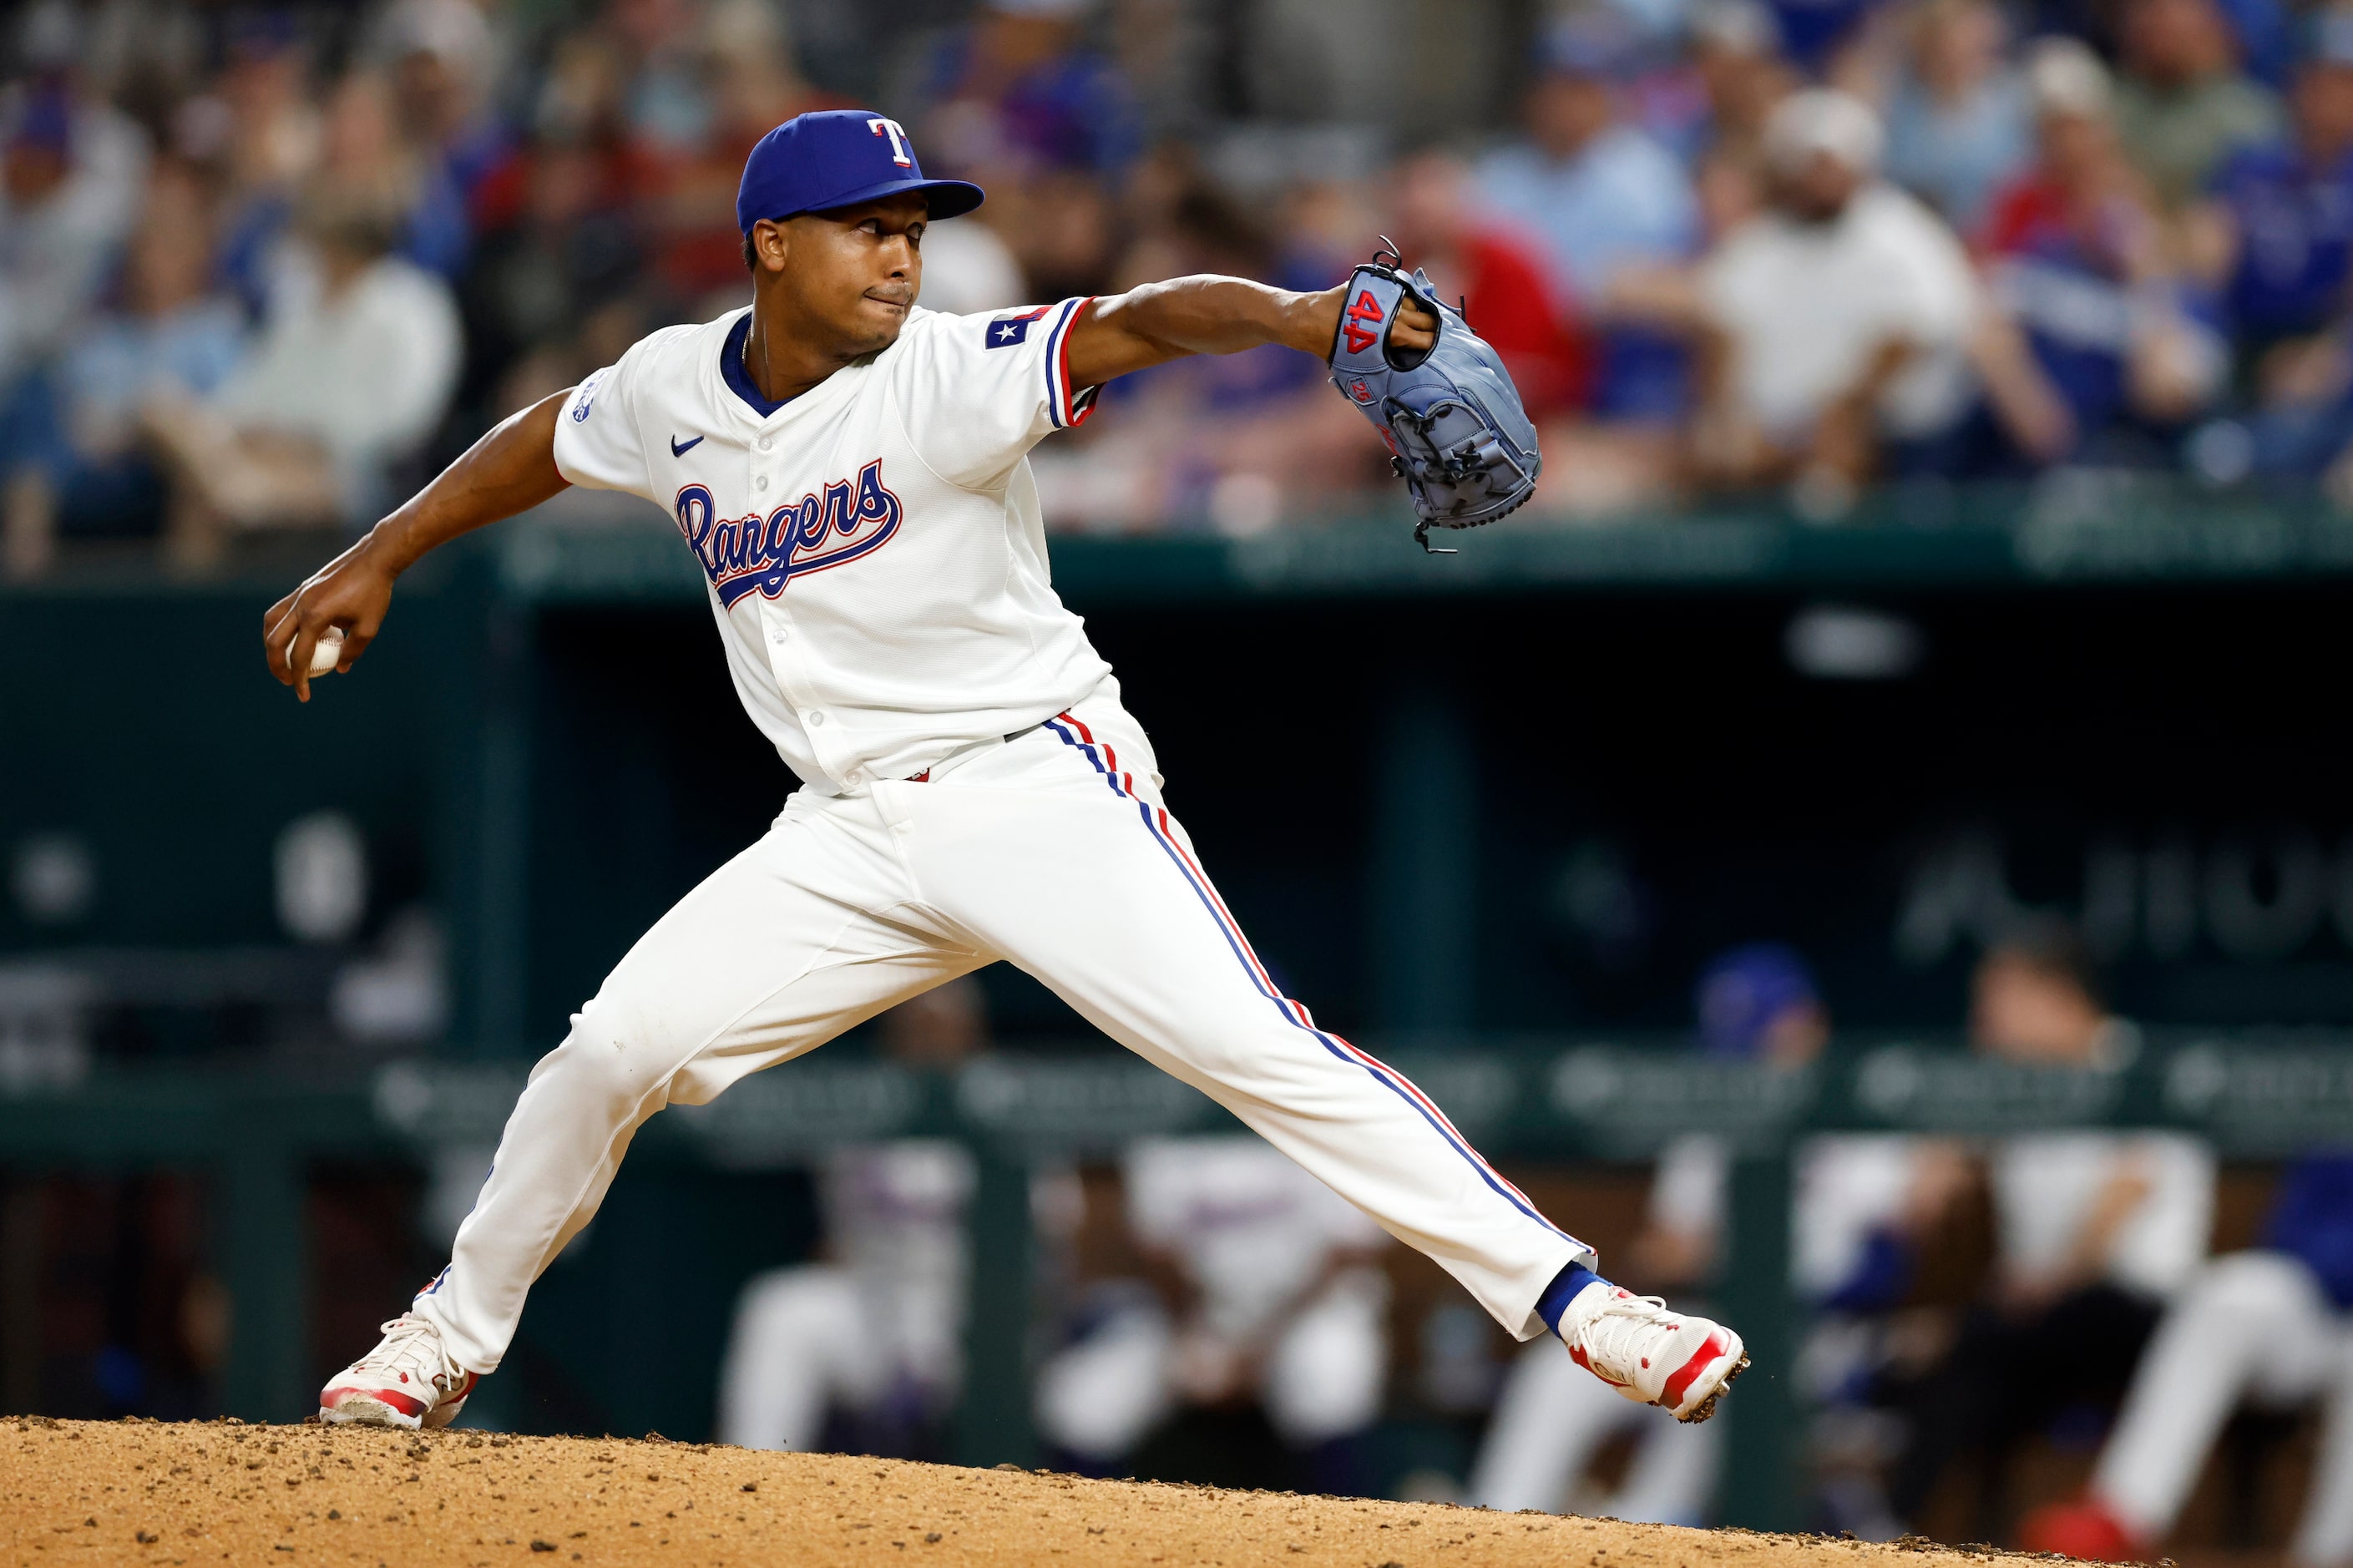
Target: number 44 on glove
1456 431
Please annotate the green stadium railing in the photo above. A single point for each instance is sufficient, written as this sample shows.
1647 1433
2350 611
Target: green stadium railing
2254 1095
2068 528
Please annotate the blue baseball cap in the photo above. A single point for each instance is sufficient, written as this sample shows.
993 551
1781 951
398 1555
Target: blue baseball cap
838 158
1742 992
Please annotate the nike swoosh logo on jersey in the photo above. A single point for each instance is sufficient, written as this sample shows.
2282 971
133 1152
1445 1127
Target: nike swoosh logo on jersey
679 448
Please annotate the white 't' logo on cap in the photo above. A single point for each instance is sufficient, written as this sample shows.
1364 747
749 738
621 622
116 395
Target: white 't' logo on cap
900 152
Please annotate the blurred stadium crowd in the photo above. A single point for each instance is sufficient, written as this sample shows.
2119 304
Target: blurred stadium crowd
263 267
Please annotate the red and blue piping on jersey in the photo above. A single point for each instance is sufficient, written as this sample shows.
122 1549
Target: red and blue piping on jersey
1066 409
751 553
1075 733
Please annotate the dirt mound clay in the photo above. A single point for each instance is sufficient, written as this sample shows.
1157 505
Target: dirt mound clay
198 1494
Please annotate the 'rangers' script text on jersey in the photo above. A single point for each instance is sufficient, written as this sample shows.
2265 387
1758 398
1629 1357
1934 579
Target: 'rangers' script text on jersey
875 553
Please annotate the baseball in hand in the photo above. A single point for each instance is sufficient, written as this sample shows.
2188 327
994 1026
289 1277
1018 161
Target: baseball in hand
324 653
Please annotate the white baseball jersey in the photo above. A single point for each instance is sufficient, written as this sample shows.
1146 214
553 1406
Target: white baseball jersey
2045 1186
874 549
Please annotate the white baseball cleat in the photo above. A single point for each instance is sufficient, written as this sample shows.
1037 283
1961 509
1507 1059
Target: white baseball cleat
1651 1355
406 1381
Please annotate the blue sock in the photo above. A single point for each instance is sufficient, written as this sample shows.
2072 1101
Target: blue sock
1562 1291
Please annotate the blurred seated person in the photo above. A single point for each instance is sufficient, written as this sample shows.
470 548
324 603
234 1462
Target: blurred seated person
1266 1291
354 368
559 261
2271 1328
1018 86
73 453
2275 233
441 59
754 85
1742 76
1959 122
2095 1231
1755 1003
1498 277
268 134
363 143
2276 237
360 146
1601 195
1541 328
1833 323
71 177
2094 345
1241 441
865 1347
2183 106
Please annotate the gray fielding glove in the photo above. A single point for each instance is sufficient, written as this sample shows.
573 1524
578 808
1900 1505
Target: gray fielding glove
1451 418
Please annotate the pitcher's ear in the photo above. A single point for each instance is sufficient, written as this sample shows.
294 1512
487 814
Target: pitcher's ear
756 249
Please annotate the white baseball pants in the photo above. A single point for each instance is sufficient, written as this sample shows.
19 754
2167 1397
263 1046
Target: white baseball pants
2253 1326
1052 852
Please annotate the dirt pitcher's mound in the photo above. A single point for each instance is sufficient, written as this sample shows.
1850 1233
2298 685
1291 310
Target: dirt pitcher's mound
202 1494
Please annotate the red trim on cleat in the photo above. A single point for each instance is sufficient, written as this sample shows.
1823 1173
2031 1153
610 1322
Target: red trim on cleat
1577 1353
1713 1349
391 1398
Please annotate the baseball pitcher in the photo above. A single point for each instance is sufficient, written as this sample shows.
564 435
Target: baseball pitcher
850 470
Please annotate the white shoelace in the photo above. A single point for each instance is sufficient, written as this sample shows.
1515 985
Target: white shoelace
1614 1337
413 1345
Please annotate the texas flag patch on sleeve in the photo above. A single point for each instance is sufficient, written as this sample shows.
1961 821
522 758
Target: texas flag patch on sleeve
1006 331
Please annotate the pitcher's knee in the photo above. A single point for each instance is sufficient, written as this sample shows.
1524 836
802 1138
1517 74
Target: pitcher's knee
613 1054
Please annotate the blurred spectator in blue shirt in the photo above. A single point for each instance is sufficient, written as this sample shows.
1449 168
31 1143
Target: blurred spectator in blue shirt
1812 31
363 145
356 141
442 58
1717 101
1020 86
270 135
2277 238
1601 195
1239 442
1958 125
70 448
2095 342
2184 105
71 174
2276 234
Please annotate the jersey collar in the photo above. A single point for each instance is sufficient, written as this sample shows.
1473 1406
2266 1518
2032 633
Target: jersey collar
738 378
